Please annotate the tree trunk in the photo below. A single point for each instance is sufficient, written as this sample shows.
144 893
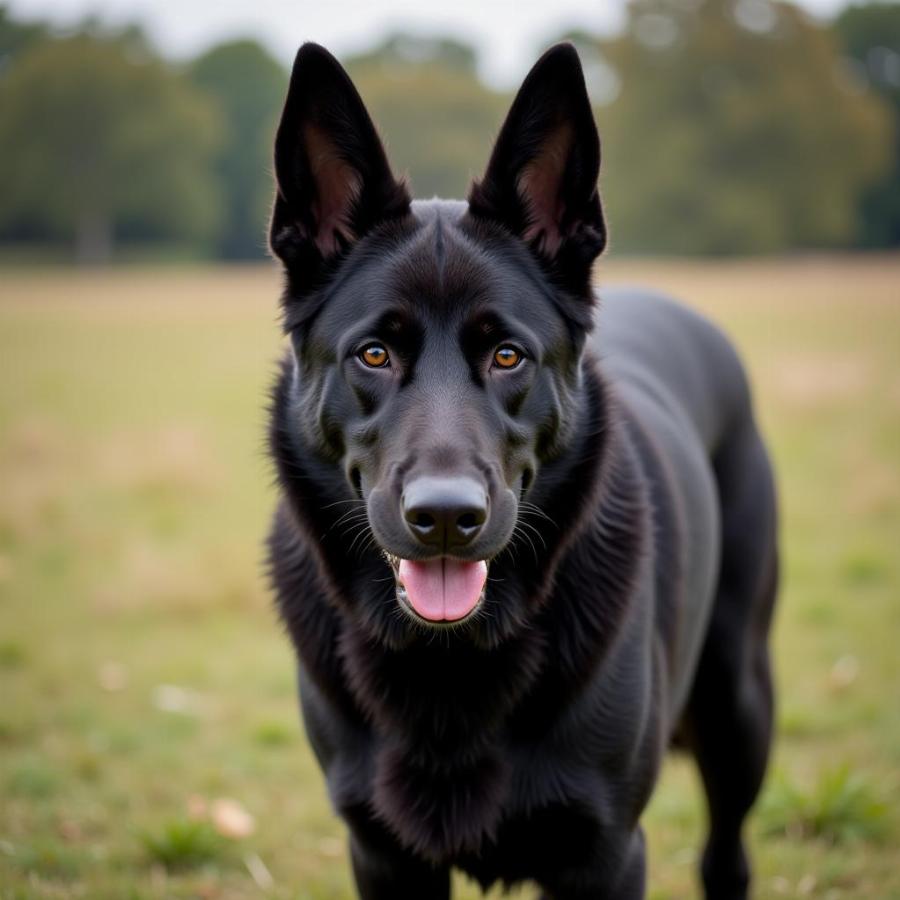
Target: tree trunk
93 239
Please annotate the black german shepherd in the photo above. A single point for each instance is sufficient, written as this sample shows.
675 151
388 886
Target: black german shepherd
518 555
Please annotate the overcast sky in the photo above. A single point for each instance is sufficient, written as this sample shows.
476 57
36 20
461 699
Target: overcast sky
507 34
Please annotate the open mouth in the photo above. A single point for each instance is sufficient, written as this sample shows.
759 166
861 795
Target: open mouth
442 590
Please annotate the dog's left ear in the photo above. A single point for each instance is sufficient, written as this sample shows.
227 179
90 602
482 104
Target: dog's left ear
541 181
333 180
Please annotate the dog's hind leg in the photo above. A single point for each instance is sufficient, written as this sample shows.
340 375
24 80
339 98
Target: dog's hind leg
728 721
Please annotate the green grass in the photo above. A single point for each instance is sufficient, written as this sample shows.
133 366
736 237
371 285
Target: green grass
842 806
182 844
142 670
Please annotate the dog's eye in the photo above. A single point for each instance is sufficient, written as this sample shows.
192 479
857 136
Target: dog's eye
375 356
507 357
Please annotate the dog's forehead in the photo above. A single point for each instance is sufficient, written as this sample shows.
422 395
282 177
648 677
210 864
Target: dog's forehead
439 266
439 273
442 269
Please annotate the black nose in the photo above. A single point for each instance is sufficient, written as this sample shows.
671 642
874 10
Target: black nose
444 513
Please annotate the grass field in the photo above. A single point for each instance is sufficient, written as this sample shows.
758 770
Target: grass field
144 678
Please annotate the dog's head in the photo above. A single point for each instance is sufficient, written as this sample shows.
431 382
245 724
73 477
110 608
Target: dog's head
437 345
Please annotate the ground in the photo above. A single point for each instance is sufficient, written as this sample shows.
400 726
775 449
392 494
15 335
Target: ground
145 678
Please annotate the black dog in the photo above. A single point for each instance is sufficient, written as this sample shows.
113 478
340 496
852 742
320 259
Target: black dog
517 561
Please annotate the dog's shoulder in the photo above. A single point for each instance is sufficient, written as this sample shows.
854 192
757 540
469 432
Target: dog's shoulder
652 343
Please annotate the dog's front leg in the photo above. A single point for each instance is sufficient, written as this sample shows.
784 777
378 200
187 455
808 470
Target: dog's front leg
596 881
389 873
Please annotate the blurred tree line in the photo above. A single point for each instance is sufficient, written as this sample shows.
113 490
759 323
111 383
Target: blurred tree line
728 126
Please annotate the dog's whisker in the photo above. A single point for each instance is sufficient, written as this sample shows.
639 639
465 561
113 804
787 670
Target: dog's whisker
349 516
534 509
357 500
361 533
531 527
517 532
369 544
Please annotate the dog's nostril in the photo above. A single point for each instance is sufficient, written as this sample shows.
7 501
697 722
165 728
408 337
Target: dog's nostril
423 521
468 522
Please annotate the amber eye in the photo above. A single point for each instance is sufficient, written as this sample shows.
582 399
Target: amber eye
507 357
375 356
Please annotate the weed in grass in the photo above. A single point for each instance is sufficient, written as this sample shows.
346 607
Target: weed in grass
117 739
274 734
88 765
862 568
49 858
12 655
820 613
34 779
799 722
841 806
183 844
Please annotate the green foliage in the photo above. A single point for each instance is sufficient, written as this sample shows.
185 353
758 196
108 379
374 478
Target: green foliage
728 126
841 806
436 117
870 36
732 130
248 86
183 844
401 49
17 36
95 138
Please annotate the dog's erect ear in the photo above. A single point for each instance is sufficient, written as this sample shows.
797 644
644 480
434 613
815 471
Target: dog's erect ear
541 181
332 176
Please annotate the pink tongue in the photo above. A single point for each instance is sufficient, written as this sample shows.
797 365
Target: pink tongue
443 590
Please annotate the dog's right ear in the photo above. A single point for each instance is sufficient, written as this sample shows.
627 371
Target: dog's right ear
333 180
